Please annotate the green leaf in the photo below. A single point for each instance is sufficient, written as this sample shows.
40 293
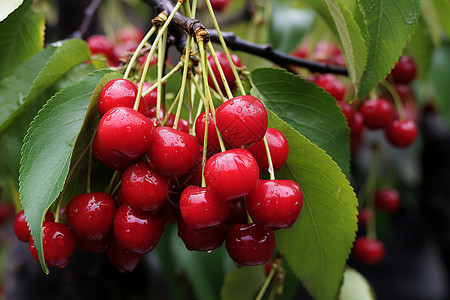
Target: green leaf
421 48
8 6
438 79
351 38
68 55
318 245
307 108
429 17
21 36
442 8
48 148
243 283
390 26
355 287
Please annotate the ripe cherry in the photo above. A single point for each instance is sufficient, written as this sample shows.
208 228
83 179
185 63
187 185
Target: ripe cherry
250 244
109 157
219 5
183 125
117 93
242 120
200 209
213 140
275 204
96 246
143 189
365 216
405 70
124 260
148 101
279 150
238 212
58 243
332 85
348 111
101 44
135 231
231 174
90 215
129 33
173 152
21 227
7 211
387 200
356 132
368 251
377 113
226 68
401 133
203 240
126 131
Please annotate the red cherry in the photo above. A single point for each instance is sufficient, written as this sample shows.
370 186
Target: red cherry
124 51
226 68
405 70
183 125
126 131
7 211
96 246
356 132
21 227
143 59
401 133
148 101
238 212
368 251
219 5
203 240
275 204
135 231
242 120
117 93
173 152
348 112
170 211
231 174
109 157
404 92
101 44
387 200
377 113
118 197
279 150
213 140
332 85
143 189
250 244
58 243
301 51
124 260
129 33
200 209
90 215
365 216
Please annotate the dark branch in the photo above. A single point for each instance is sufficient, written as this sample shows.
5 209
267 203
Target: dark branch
89 14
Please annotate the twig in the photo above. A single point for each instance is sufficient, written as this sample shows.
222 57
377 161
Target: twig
89 14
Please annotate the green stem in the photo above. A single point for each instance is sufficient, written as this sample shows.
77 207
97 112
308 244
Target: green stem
266 283
137 51
398 102
222 75
164 79
112 182
161 59
218 90
183 80
269 159
169 111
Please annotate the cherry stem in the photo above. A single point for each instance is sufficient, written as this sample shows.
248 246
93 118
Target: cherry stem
269 159
370 191
164 79
268 280
88 184
58 211
137 51
161 59
116 187
216 84
169 111
112 182
222 75
398 102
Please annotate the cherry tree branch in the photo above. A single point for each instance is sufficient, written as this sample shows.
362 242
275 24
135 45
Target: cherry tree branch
89 14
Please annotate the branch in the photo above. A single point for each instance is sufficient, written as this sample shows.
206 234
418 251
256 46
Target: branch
89 14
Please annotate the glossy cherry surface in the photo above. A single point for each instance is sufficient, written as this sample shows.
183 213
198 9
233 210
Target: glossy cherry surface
226 68
242 120
126 131
401 133
213 140
173 152
405 70
200 209
387 200
332 85
96 246
238 212
101 44
135 231
377 113
275 203
21 227
109 157
143 189
148 101
183 125
250 244
58 243
117 93
279 150
231 174
203 240
124 260
90 215
368 251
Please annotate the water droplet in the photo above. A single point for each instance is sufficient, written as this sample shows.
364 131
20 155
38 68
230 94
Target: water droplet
129 129
239 110
60 241
209 251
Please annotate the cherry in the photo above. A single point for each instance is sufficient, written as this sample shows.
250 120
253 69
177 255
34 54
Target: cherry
200 209
21 227
404 70
173 152
377 113
96 246
170 211
90 215
365 216
148 101
143 189
356 132
124 260
226 68
143 59
404 92
124 51
194 176
231 174
301 51
275 204
203 240
58 243
242 120
219 5
368 251
126 131
7 211
183 125
109 157
213 139
101 44
348 111
250 244
136 231
238 212
401 133
279 150
129 33
332 85
116 93
387 200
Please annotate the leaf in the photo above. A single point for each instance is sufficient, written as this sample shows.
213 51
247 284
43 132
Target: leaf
438 79
8 6
420 48
243 283
390 25
352 41
68 55
442 8
307 108
355 286
429 17
21 36
318 245
47 150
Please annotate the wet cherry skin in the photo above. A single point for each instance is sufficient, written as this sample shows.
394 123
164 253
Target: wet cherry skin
213 139
124 260
377 113
116 93
226 68
368 251
203 240
401 133
21 227
238 212
109 157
